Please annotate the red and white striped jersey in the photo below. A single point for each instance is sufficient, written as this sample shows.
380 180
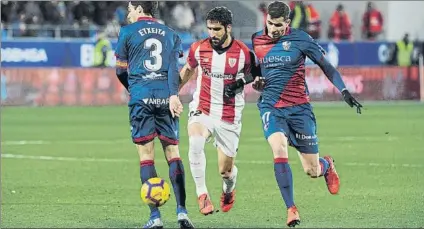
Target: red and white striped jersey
215 70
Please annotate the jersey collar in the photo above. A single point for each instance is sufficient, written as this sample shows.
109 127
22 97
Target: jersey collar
146 19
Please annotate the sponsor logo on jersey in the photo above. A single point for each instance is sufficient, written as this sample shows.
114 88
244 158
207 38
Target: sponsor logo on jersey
286 45
154 76
274 61
305 137
158 102
218 75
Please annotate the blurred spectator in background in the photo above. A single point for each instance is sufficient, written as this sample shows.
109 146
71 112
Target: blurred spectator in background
102 49
183 16
121 15
3 31
403 52
340 25
314 21
3 88
264 11
199 30
6 11
19 26
298 17
372 22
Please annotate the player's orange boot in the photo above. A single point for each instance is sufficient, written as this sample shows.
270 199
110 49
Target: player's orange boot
205 204
293 217
227 200
331 177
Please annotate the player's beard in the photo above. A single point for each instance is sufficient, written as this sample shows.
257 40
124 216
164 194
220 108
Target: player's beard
217 43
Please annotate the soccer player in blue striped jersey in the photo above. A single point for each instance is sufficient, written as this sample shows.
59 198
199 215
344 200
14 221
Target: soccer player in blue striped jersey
147 56
284 105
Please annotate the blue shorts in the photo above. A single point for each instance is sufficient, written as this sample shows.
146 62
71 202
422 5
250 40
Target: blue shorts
297 123
150 118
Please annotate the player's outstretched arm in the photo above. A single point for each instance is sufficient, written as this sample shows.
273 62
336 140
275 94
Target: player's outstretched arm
314 51
335 77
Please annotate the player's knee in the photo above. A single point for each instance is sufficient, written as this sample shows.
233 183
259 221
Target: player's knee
278 144
171 152
196 144
279 151
146 152
197 129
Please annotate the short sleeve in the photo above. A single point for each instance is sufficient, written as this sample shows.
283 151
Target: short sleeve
121 51
191 58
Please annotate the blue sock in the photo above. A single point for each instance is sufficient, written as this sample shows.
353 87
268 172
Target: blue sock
324 166
176 174
284 178
147 171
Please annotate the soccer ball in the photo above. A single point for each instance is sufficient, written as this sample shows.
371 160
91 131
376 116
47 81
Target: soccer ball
155 192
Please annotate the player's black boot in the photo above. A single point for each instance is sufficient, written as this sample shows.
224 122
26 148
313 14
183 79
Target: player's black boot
184 222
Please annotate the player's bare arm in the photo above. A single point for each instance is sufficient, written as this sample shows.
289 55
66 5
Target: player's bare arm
185 74
175 105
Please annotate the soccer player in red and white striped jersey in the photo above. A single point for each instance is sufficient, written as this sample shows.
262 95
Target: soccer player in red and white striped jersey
221 62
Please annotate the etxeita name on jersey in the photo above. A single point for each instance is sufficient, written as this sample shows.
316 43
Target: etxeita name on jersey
146 31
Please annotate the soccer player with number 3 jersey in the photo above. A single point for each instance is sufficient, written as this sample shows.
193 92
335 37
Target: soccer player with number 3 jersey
147 56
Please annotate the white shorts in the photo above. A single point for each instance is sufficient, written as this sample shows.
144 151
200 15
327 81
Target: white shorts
226 135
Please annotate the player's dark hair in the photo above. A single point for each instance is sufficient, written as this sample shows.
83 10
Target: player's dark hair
220 14
278 9
149 7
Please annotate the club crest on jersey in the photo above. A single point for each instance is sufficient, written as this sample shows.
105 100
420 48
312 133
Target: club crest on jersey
286 45
232 62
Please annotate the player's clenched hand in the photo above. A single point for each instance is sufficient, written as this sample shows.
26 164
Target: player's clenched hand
175 106
230 90
351 101
259 83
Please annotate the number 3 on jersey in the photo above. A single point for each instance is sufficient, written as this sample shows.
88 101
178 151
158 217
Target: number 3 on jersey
155 47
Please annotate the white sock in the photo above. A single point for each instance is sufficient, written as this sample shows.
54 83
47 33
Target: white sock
229 183
197 158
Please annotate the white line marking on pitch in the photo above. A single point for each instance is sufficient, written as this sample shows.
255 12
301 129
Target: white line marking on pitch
83 142
50 158
118 141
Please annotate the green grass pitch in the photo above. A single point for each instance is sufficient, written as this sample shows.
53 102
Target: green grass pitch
89 175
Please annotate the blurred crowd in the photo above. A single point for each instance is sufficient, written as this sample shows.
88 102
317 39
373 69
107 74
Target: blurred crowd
84 19
306 17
